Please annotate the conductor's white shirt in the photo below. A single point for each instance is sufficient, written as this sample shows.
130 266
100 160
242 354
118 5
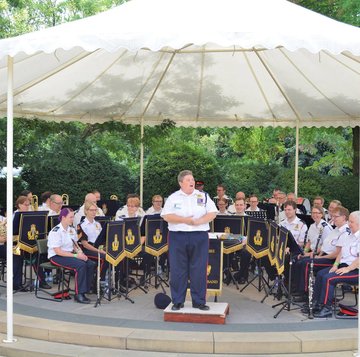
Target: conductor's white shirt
195 205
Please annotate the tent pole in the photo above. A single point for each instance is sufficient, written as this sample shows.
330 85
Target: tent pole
9 203
141 161
296 158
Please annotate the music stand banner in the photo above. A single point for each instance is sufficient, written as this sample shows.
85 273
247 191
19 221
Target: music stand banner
156 233
273 240
257 243
132 239
114 242
215 267
32 226
228 224
281 250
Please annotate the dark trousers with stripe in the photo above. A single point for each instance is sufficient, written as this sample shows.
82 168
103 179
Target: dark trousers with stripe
325 283
301 271
188 256
84 271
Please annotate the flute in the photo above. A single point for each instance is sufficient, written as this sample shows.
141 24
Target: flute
311 276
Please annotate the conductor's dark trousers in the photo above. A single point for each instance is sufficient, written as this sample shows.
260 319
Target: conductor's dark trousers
188 256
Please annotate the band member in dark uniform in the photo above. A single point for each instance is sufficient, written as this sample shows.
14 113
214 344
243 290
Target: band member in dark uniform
64 251
188 212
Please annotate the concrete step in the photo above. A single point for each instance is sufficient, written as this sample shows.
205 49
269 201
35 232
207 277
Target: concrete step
25 347
184 342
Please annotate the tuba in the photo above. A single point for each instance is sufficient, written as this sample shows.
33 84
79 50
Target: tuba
65 199
34 202
114 197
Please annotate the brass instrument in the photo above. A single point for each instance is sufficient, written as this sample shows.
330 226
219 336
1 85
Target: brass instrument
312 277
34 202
114 197
16 242
65 199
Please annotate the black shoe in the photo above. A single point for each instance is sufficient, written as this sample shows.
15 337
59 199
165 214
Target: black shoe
44 285
17 288
82 299
242 281
177 306
202 307
326 311
86 298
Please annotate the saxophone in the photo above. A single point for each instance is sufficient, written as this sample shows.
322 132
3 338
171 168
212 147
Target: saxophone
312 277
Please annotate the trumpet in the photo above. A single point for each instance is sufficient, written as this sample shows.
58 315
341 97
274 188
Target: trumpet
34 202
65 199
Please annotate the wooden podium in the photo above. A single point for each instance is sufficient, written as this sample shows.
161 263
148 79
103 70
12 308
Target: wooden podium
216 314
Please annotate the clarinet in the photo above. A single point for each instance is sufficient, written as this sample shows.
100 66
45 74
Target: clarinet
98 278
311 276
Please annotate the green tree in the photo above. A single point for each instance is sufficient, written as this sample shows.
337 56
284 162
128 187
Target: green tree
164 164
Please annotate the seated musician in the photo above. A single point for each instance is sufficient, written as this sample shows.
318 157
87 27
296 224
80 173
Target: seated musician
63 251
45 201
345 269
17 259
254 201
239 195
22 204
88 231
245 257
222 204
156 208
90 197
123 211
55 205
133 210
319 229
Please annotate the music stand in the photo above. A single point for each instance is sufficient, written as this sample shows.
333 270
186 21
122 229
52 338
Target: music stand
257 245
229 229
27 228
112 238
286 239
156 244
109 207
273 245
133 247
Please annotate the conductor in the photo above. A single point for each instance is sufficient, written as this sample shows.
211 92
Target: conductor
188 213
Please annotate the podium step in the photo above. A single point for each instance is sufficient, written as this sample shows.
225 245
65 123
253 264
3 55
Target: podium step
216 315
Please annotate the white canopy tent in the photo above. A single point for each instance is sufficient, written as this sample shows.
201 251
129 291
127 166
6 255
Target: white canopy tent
196 62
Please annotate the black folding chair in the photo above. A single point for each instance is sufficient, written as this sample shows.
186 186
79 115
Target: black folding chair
64 275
